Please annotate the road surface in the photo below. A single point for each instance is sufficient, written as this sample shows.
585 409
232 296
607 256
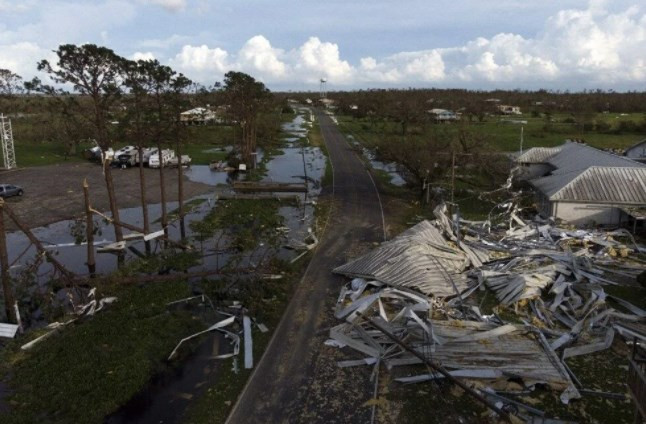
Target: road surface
297 379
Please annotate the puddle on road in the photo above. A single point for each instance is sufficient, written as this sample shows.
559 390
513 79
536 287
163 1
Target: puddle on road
391 168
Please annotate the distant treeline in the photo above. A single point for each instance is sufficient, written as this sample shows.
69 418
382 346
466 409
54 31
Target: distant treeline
475 102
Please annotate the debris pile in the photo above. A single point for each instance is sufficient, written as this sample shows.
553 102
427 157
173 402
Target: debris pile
235 324
418 289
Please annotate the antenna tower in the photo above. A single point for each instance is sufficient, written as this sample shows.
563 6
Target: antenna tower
6 134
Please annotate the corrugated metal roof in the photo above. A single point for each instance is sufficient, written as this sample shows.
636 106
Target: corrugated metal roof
577 156
553 183
538 154
419 258
606 184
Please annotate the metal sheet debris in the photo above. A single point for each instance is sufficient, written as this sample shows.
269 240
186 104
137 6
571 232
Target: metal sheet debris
8 330
419 287
248 345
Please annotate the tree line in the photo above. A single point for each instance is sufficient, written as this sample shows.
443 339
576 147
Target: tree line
107 98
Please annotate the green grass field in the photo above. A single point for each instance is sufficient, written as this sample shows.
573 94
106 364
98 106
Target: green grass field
503 135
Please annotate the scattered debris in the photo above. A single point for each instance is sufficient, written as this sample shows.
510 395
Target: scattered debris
416 287
8 330
235 324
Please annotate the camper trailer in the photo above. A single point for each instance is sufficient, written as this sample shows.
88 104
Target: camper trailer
166 156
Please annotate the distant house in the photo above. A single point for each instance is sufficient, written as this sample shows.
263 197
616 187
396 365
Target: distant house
354 107
586 186
199 116
509 110
493 100
637 152
327 103
444 115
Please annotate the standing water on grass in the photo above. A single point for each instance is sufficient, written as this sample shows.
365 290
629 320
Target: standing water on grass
61 238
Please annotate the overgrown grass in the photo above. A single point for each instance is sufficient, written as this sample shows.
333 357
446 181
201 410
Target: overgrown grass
95 365
266 301
249 221
38 154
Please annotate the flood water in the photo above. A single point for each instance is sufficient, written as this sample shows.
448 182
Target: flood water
392 168
169 393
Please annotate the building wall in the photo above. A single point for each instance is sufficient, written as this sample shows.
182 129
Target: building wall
584 214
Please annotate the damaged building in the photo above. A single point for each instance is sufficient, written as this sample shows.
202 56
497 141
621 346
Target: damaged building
414 306
586 186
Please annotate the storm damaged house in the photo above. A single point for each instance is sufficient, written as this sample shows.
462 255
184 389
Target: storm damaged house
586 186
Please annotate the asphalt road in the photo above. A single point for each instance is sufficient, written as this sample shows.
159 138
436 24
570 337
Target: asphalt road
297 379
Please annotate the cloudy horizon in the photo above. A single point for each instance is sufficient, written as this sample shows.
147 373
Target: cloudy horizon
291 44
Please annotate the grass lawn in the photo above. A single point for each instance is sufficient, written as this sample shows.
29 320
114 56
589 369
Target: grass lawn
38 154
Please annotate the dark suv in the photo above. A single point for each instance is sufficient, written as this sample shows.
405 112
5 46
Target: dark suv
8 190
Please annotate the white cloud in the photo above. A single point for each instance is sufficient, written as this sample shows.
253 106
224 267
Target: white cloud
7 6
22 57
170 5
258 55
316 59
164 43
586 48
202 62
599 45
143 56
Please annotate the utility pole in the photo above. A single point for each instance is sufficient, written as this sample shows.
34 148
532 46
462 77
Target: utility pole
521 139
452 177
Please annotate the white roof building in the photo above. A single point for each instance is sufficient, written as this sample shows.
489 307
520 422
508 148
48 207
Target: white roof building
584 185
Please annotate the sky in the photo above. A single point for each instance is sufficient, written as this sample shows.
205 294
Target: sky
354 44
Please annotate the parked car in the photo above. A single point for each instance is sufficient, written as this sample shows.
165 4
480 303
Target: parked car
8 190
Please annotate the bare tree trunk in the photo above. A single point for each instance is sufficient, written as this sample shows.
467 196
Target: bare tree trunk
180 190
4 264
162 188
89 230
144 203
109 184
67 275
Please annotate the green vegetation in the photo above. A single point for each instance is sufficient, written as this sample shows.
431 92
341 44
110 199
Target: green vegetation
266 301
97 364
37 154
610 131
249 222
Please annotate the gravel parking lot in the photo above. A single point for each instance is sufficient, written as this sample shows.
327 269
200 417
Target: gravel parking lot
55 192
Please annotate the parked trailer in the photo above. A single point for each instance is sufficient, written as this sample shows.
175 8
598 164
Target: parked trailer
166 156
186 161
